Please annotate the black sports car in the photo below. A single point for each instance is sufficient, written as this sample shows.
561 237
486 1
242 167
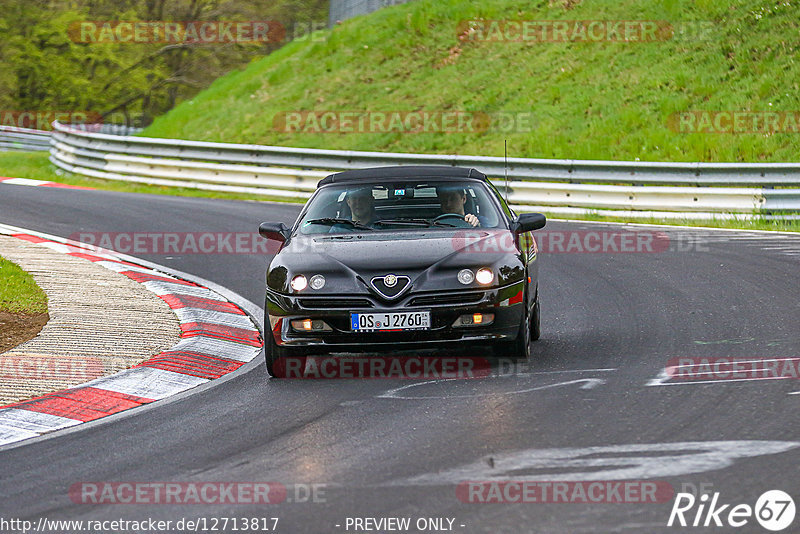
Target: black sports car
402 257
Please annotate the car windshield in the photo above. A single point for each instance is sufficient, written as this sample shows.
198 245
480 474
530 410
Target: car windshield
407 205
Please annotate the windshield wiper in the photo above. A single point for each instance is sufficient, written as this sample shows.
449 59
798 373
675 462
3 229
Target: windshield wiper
412 222
415 222
333 220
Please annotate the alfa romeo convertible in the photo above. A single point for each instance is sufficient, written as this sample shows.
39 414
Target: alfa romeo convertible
399 258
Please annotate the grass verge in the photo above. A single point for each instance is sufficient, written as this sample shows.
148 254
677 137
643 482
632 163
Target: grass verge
582 99
19 293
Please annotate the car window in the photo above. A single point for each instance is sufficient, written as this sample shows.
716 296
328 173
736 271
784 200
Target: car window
511 214
401 206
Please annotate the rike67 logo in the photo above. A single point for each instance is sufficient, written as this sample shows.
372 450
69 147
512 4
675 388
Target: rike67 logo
774 510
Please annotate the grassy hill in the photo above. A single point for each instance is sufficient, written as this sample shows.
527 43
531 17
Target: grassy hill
587 100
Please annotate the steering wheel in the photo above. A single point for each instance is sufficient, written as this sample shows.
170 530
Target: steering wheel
448 215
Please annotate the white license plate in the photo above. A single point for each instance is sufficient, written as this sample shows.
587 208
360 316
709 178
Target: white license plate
370 322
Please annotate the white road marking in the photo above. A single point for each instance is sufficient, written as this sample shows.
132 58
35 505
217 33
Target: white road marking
664 377
655 381
602 370
588 383
643 461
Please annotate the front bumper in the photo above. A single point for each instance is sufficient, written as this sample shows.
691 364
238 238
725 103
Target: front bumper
506 303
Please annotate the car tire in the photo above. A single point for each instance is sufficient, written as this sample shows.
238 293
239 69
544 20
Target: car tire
519 348
536 329
274 354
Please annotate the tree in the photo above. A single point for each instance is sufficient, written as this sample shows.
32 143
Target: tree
45 67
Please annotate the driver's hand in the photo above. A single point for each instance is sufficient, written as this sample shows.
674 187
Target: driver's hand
472 219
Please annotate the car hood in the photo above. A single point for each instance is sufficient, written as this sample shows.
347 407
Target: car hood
419 255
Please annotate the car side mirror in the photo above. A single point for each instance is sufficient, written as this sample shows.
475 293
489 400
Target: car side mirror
528 222
274 230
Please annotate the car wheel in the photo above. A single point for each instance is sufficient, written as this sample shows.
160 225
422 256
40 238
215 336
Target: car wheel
275 357
520 348
536 329
273 353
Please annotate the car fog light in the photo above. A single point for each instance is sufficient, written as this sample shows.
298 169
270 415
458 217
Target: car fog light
484 276
465 276
474 319
299 282
317 281
310 325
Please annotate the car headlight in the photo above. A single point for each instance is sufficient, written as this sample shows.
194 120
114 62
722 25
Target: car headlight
465 276
317 281
484 276
299 282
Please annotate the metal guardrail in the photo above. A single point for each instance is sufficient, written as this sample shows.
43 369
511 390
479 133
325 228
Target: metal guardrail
12 138
107 128
27 139
698 190
344 9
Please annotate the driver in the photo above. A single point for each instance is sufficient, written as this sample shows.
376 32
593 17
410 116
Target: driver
362 206
452 200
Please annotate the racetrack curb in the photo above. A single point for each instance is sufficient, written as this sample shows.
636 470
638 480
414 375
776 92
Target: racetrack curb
217 338
40 183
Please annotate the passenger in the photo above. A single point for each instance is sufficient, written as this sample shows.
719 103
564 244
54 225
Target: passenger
453 200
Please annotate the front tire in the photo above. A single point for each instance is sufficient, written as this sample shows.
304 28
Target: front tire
272 353
536 328
519 348
275 356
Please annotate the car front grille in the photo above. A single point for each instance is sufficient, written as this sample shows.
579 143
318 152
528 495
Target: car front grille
464 297
343 303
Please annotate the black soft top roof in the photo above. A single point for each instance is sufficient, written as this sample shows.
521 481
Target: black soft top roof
406 171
